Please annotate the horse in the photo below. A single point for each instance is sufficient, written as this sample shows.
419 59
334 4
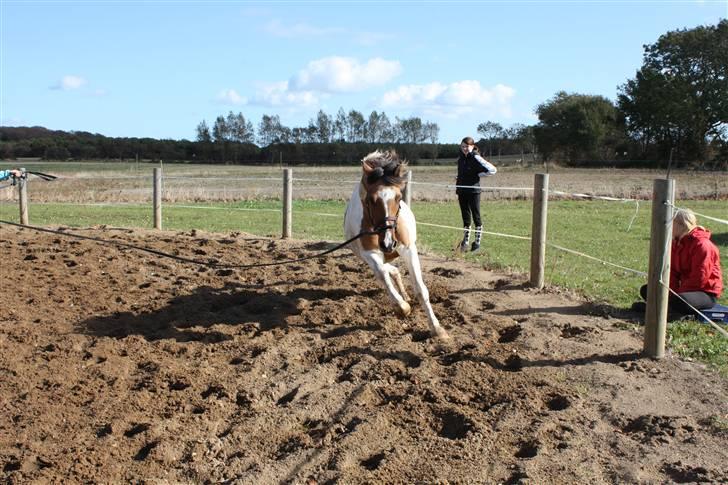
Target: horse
388 230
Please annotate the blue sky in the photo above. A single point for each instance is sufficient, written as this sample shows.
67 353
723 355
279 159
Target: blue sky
158 68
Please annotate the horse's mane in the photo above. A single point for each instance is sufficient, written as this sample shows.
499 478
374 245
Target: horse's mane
385 164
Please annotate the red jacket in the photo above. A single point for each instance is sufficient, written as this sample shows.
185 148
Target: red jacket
695 264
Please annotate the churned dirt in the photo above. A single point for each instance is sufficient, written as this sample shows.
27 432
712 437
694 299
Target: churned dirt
118 365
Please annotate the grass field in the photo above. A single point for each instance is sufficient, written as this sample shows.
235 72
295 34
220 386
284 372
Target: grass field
226 199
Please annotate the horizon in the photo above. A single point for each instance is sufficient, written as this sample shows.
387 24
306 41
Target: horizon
157 69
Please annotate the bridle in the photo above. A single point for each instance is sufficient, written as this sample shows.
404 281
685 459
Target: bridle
389 222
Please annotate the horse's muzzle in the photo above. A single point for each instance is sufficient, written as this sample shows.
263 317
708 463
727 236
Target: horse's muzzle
388 243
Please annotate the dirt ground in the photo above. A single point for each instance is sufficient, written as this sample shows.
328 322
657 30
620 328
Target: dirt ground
117 365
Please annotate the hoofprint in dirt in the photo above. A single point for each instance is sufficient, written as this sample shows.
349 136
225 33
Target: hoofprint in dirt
117 365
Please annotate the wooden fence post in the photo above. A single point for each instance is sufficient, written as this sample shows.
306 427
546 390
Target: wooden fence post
287 202
538 228
407 196
157 198
663 197
23 197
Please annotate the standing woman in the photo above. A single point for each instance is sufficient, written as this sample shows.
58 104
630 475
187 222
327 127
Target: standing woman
471 166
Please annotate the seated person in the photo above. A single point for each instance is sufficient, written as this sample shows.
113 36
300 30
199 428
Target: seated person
695 273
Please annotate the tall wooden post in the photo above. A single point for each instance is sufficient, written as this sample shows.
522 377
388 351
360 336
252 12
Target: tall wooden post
23 197
287 202
407 196
663 197
158 198
538 228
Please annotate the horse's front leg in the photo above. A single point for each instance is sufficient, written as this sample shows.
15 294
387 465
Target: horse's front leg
412 259
382 273
394 271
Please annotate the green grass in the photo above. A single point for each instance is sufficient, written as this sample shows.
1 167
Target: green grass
699 342
611 231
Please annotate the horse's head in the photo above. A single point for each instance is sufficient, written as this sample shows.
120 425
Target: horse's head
383 182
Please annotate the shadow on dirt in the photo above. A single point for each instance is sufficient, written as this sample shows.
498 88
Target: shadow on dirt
515 363
189 317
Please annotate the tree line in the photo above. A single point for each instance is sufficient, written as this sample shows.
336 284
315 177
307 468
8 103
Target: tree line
675 108
233 136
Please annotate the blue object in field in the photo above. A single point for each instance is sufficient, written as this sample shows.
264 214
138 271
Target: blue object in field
719 314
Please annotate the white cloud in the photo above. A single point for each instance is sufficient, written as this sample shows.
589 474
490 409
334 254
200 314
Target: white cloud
230 96
279 94
327 76
344 74
69 82
451 99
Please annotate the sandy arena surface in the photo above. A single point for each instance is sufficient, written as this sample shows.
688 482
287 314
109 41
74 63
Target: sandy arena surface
120 366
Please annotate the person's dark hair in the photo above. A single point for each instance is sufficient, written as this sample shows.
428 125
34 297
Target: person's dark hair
468 140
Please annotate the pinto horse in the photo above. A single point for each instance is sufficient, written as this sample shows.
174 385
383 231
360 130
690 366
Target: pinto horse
377 210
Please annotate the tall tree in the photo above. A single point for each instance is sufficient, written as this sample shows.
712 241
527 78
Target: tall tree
492 132
243 131
203 133
386 131
271 131
679 97
339 128
324 127
578 127
431 132
355 126
372 128
221 135
266 131
409 130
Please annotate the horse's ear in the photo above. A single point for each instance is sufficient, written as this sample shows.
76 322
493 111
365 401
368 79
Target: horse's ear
400 171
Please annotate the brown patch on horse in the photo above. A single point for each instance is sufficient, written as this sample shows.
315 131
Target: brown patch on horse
369 242
403 235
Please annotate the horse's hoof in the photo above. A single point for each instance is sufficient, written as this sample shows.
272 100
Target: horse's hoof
404 308
441 333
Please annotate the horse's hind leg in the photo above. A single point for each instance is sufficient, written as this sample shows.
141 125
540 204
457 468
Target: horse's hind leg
394 271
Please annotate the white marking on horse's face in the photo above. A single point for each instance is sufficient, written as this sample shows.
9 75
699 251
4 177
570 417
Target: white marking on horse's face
388 195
